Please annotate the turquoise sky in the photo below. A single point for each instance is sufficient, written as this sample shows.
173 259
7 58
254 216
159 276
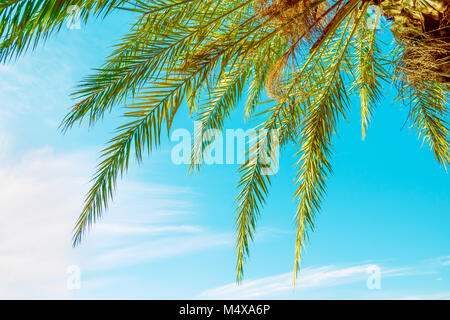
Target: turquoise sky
170 235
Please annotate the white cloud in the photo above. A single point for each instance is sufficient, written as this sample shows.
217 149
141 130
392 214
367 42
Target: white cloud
308 279
38 196
41 194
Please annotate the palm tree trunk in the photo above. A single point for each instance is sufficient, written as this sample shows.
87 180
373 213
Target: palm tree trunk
423 15
424 27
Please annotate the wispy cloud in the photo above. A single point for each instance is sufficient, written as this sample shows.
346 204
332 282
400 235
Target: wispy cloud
308 279
151 250
41 195
120 229
36 89
432 296
444 261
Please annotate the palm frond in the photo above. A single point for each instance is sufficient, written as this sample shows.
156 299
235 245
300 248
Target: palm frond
221 102
429 111
142 55
24 23
369 68
327 102
158 105
253 186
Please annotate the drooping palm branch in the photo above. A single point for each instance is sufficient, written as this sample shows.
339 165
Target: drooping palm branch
307 56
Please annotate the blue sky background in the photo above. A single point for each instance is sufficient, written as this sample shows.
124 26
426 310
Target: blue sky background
170 235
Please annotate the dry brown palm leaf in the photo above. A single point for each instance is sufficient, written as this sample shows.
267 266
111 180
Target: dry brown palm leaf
299 18
302 21
425 60
423 27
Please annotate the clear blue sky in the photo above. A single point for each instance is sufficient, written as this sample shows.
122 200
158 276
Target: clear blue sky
170 234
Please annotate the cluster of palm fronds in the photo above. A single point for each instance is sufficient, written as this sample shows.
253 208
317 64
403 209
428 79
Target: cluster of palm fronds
311 55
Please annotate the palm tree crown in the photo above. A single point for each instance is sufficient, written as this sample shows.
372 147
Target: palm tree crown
309 56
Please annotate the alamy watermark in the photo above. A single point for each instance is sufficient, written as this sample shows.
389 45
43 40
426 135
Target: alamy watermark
374 280
231 146
74 277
